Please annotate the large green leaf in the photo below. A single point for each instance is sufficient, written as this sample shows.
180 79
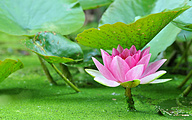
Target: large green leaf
130 10
27 17
162 40
9 66
55 48
91 4
127 11
184 21
138 33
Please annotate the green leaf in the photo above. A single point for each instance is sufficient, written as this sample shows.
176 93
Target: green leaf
138 33
162 40
184 36
54 48
92 4
27 17
130 84
88 53
127 11
184 21
9 66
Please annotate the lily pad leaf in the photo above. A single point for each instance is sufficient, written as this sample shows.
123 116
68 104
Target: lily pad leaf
9 66
169 108
127 11
92 4
27 17
54 48
130 84
139 33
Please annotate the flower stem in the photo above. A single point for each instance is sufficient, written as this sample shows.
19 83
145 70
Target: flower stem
46 71
66 72
185 80
64 78
129 99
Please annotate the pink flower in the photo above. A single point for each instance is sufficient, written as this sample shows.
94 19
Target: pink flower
127 67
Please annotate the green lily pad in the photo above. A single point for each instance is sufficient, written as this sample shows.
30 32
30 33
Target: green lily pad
169 108
128 11
92 4
55 48
27 17
139 33
9 66
130 84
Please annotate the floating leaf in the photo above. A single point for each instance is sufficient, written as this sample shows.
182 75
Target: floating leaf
9 66
138 33
170 108
91 4
27 17
55 48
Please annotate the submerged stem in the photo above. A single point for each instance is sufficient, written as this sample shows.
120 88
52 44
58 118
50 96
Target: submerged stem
64 78
46 71
129 99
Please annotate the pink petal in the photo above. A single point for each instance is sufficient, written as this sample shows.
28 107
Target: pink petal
144 60
103 70
134 73
119 68
152 77
106 58
130 61
115 52
101 79
133 50
153 67
145 52
120 49
137 55
125 53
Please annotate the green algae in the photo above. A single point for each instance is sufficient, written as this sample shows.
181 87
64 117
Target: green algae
26 94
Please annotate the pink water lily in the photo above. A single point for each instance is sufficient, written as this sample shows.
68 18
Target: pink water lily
127 67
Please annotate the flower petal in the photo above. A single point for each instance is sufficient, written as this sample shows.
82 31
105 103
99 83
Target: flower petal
152 77
125 53
137 56
101 79
153 67
145 52
132 50
144 60
134 73
130 61
115 52
106 58
103 70
119 68
160 81
120 49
